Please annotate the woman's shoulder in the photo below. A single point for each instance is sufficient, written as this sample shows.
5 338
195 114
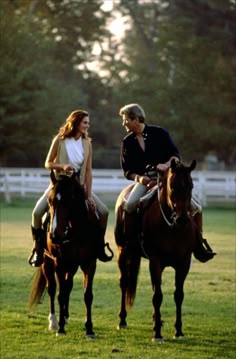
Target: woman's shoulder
58 138
56 141
87 140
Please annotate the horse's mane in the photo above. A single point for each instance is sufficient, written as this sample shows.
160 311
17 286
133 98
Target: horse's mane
72 197
178 168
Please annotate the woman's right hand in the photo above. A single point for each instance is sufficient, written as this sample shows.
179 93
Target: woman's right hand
144 180
67 168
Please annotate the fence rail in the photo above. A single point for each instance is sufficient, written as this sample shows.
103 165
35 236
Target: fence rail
209 186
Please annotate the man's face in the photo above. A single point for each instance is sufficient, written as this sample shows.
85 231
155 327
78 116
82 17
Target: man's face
128 123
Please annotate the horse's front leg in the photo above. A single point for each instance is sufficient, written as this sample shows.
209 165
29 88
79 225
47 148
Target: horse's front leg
156 272
88 273
49 273
62 295
68 288
180 276
123 288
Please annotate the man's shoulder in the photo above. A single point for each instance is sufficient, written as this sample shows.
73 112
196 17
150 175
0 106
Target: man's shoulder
154 129
129 137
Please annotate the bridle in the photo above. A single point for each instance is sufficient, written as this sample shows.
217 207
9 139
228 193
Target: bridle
170 224
149 171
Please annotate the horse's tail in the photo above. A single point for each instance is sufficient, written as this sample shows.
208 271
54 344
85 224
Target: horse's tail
129 264
132 276
38 288
119 228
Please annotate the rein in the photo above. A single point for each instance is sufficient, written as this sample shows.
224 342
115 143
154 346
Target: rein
170 224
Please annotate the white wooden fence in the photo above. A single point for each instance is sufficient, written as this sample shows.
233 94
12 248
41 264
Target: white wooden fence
209 186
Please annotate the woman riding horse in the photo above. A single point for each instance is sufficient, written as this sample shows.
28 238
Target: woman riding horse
71 150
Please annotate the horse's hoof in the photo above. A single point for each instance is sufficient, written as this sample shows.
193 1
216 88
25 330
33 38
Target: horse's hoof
121 326
60 334
53 326
91 336
178 337
158 340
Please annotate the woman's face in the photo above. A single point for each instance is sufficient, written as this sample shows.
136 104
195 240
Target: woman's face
84 126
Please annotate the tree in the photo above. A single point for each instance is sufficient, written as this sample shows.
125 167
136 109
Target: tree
181 68
40 81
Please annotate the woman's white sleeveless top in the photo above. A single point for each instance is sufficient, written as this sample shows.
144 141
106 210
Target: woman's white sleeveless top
75 152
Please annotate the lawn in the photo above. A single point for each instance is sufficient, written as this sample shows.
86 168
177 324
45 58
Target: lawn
208 309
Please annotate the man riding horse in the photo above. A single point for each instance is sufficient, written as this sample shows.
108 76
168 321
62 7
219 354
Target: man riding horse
149 145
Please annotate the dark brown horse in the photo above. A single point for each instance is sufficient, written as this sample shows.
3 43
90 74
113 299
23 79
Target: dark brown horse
167 236
70 245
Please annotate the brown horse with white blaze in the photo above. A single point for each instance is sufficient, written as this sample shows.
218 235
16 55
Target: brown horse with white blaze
70 245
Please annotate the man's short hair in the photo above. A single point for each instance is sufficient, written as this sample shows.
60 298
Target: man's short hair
132 111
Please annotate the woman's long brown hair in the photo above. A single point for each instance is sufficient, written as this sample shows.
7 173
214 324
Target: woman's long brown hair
70 127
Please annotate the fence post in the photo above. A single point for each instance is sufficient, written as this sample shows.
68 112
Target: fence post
202 194
6 189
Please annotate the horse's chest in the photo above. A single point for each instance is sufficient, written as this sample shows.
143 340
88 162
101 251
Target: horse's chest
167 239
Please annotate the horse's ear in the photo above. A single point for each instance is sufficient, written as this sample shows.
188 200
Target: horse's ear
73 175
173 164
53 177
192 166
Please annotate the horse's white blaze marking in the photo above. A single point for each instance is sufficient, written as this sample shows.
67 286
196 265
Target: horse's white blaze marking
54 222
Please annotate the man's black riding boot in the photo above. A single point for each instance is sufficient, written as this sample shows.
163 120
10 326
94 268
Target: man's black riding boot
203 252
36 257
101 245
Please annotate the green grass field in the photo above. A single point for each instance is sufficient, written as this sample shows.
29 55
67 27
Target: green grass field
208 308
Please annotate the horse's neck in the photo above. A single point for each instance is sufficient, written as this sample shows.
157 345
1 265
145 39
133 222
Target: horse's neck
164 199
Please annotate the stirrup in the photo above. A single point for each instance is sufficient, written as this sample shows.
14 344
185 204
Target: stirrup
206 244
104 257
110 250
203 255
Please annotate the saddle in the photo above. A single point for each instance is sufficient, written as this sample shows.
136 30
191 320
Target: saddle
145 201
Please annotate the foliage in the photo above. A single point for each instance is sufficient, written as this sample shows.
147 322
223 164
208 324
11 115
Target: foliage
182 69
177 59
39 85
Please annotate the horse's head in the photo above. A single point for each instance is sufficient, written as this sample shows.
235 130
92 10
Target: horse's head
64 198
179 189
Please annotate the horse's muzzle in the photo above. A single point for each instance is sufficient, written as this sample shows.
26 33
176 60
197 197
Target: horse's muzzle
182 220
